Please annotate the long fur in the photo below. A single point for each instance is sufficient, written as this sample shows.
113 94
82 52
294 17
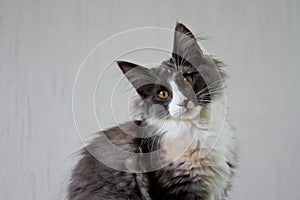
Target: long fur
198 152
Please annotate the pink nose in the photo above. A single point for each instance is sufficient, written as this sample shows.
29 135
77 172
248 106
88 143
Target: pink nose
183 103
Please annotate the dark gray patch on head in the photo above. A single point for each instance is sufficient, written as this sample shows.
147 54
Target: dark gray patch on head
187 57
187 60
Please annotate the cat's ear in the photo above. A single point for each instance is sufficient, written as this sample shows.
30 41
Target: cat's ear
140 77
186 47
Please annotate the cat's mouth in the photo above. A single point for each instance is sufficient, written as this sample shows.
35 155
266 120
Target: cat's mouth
187 113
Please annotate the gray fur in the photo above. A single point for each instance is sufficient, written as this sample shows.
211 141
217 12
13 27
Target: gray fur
93 180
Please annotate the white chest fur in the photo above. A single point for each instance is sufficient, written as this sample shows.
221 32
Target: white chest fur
204 150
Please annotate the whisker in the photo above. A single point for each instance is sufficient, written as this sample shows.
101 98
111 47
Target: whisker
209 93
214 84
205 100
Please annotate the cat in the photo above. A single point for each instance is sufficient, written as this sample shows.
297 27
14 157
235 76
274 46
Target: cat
181 121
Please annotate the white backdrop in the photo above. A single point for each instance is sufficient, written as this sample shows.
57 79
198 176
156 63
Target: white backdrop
43 42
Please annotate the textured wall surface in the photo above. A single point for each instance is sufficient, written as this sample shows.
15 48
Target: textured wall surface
43 42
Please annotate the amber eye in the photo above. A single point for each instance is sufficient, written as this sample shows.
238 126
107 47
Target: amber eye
163 94
189 79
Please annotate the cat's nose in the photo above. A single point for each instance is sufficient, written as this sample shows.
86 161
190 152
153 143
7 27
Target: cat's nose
183 103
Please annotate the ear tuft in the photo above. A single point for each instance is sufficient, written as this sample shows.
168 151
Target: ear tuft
181 28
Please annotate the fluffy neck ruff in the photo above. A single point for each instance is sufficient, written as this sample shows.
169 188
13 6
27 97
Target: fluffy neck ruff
203 147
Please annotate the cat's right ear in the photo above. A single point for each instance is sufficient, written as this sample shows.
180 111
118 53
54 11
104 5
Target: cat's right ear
140 77
185 47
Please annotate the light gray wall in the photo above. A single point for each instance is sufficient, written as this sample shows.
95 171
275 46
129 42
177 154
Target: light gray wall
43 42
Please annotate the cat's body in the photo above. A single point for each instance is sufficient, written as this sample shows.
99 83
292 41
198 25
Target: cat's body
182 115
92 180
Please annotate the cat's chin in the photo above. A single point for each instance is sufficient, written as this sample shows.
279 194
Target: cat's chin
189 114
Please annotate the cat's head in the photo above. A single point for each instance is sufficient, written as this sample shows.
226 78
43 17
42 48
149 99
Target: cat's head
179 87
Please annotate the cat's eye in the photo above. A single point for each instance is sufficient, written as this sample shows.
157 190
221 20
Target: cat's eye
188 79
163 94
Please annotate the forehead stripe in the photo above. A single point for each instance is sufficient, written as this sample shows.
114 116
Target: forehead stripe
177 94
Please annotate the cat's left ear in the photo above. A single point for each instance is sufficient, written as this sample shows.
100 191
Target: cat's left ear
186 47
140 77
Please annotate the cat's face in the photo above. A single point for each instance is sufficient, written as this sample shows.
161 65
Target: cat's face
177 88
